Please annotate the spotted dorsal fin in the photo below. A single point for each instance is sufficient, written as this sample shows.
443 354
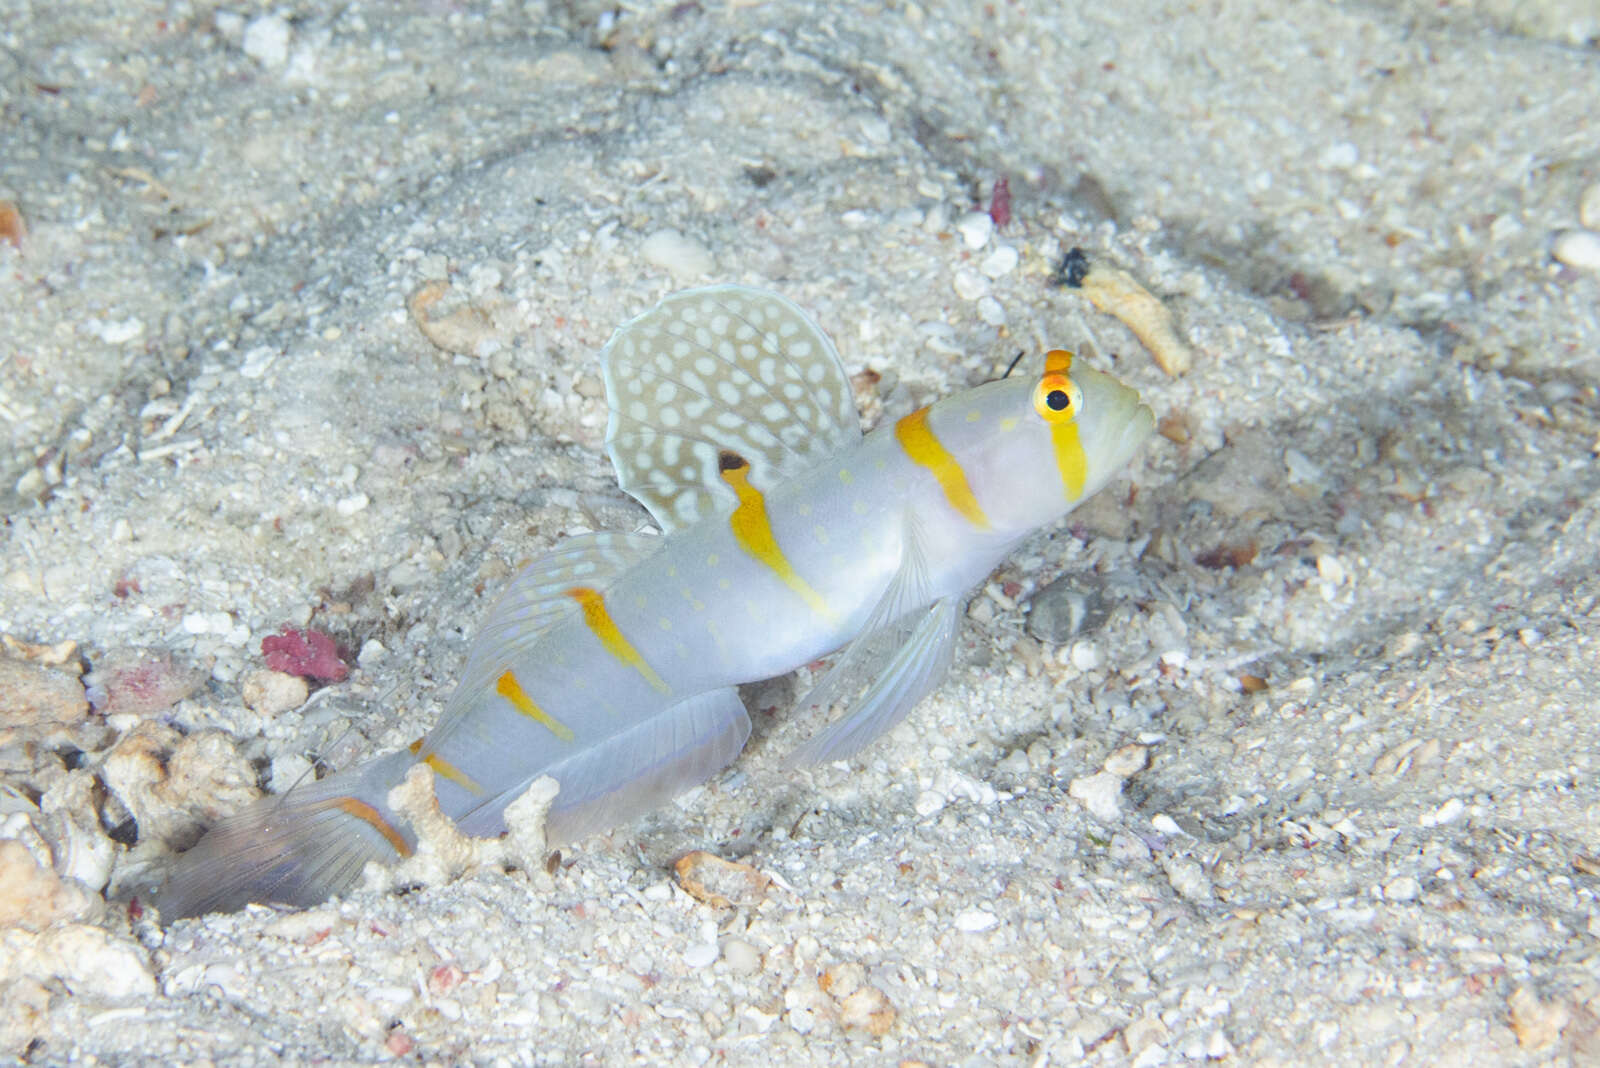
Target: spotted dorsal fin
714 370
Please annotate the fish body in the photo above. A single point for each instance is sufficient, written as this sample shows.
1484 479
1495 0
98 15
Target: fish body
612 664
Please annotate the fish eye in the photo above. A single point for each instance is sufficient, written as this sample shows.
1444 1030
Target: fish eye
1056 397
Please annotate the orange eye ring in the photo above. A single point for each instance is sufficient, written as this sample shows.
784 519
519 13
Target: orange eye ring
1057 398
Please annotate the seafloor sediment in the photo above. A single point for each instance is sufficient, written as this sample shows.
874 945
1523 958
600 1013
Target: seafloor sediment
1296 762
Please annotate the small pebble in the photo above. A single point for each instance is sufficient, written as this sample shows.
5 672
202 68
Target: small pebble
969 284
975 228
1579 249
266 40
1188 878
1402 645
1589 207
869 1010
349 506
1100 793
1302 469
32 695
929 802
1086 656
699 956
1002 261
678 254
1127 761
1404 888
393 995
1340 156
1448 812
974 920
1165 824
1537 1024
288 770
12 229
991 311
1014 763
717 882
842 979
116 333
207 623
256 361
273 692
876 129
1066 608
741 956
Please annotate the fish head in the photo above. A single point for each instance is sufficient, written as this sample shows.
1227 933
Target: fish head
1035 445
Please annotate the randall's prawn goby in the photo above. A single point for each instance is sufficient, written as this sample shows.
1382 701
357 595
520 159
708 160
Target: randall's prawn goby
613 664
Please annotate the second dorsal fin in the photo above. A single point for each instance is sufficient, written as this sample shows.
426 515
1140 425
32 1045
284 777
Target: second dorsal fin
537 598
723 368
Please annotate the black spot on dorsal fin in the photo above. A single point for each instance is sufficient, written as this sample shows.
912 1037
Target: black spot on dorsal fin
728 460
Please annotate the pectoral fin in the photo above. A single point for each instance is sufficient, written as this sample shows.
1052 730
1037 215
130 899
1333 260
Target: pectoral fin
910 674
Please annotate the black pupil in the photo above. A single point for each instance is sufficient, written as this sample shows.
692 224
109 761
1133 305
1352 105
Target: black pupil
1058 400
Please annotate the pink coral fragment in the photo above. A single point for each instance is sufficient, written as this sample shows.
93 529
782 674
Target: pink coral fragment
142 682
307 653
1000 202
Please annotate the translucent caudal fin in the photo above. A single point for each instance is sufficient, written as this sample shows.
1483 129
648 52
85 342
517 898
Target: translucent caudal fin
297 849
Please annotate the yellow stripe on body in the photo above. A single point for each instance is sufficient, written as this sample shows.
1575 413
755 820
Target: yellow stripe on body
1070 460
372 818
605 628
446 770
752 529
916 437
509 688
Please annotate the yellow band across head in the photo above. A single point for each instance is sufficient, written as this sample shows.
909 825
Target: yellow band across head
1058 400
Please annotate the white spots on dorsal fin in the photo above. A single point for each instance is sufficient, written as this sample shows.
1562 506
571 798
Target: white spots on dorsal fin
724 367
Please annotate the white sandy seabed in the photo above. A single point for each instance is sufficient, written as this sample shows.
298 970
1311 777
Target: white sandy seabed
1314 783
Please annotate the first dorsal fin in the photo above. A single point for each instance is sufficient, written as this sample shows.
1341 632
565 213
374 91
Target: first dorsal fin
713 370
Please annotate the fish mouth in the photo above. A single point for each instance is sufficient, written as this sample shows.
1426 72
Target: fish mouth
1140 424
